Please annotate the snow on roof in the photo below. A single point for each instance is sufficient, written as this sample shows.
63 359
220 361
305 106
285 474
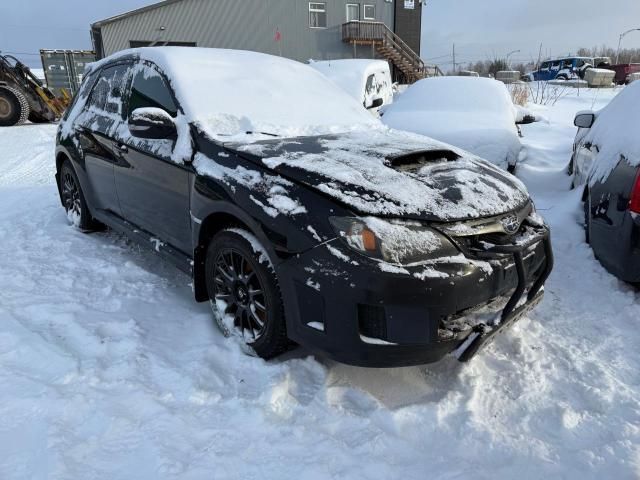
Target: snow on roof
615 132
231 92
351 74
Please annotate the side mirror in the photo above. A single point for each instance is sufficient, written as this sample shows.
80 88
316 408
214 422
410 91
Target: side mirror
151 123
375 104
584 120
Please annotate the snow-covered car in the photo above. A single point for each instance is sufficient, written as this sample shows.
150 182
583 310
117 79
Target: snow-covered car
607 156
475 114
367 81
300 219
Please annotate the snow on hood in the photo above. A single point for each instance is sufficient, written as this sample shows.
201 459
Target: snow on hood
230 92
615 132
366 171
475 114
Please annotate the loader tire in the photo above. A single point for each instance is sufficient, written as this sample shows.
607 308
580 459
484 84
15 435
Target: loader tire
14 107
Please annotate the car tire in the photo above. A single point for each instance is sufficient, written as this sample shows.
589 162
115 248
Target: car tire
244 293
587 218
73 199
562 77
14 107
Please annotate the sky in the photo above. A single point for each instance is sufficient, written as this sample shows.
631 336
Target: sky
485 29
480 29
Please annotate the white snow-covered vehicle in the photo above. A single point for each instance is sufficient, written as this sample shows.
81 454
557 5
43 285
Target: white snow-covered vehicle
368 81
475 114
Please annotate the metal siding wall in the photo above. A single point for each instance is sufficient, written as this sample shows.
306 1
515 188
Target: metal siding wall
245 25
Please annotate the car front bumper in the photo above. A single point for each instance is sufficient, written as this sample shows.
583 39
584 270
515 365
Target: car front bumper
344 306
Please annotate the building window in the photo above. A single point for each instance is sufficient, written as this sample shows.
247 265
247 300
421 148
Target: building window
353 12
317 15
369 12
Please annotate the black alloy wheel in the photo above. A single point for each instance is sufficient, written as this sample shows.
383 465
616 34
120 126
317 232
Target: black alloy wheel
73 200
244 293
238 285
71 197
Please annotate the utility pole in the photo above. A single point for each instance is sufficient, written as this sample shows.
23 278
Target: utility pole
620 42
454 58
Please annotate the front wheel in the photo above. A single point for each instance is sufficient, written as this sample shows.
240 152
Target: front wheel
73 199
244 292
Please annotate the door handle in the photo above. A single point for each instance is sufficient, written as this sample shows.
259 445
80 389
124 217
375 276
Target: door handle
123 148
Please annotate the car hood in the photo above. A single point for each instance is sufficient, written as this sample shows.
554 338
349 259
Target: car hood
390 173
487 135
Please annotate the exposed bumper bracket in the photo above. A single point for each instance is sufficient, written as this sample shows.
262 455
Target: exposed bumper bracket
511 312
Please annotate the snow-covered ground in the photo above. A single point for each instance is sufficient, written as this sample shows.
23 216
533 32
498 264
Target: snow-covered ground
109 369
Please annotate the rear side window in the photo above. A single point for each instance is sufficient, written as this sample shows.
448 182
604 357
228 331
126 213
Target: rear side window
108 92
149 89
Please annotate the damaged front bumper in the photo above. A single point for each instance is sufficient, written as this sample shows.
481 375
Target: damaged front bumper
518 304
356 313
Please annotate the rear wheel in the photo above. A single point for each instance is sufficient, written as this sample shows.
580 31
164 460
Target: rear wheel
244 292
73 199
14 107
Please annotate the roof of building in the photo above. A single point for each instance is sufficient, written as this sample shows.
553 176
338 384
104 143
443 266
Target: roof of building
137 11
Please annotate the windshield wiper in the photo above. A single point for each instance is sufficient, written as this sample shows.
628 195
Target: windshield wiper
262 133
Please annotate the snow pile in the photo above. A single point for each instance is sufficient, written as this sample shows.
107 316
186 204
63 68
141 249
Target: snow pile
616 132
475 114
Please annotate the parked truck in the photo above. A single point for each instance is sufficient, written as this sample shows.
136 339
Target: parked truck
623 71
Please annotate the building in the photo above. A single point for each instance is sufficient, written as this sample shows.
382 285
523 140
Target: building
297 29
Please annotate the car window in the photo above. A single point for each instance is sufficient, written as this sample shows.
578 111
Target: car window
149 89
108 92
545 66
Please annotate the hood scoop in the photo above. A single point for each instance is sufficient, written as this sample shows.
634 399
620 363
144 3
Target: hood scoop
412 162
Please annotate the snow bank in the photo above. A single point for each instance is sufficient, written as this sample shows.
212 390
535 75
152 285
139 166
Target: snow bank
475 114
616 132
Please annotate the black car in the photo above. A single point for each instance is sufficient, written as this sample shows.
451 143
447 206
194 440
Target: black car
606 158
300 217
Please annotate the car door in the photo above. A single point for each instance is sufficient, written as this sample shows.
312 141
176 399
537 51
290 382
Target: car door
609 209
582 161
152 188
96 128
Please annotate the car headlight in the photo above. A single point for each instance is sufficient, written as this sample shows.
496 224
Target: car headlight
398 242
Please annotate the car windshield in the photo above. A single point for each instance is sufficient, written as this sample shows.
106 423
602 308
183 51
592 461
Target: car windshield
228 93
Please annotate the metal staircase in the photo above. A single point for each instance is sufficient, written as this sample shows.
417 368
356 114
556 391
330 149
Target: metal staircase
390 46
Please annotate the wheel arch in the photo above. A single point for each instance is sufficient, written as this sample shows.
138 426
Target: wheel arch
213 223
